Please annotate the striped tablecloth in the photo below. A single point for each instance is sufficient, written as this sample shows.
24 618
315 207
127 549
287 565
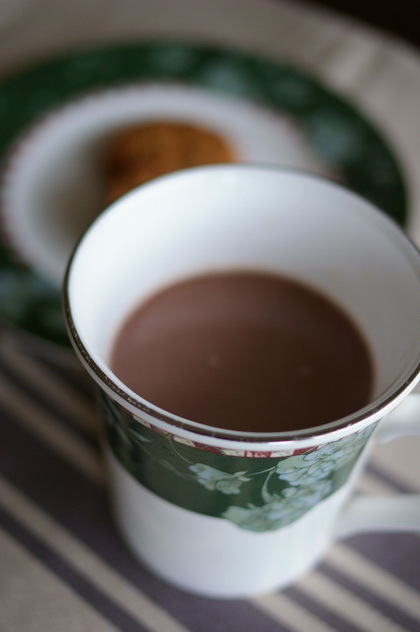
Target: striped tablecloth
63 566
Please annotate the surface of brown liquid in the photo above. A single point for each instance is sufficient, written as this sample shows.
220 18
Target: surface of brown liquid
245 351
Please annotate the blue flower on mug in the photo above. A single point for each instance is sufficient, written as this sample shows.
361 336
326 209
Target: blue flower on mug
278 510
216 480
315 466
308 495
260 518
304 472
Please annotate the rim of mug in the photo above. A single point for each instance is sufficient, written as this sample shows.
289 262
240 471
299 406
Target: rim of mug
373 411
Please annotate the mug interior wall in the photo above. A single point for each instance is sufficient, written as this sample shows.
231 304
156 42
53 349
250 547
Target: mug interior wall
284 222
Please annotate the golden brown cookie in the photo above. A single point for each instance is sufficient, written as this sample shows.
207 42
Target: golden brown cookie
142 152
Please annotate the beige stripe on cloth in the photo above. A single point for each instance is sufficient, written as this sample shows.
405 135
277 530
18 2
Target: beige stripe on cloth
34 599
47 427
50 385
92 567
346 605
287 612
366 574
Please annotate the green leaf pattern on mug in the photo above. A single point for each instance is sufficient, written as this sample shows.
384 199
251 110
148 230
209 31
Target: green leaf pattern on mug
257 494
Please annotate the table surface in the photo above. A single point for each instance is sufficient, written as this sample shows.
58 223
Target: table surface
62 563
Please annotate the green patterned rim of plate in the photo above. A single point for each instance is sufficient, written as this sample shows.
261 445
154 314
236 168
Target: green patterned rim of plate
335 130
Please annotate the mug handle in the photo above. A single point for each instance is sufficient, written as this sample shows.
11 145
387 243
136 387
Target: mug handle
401 512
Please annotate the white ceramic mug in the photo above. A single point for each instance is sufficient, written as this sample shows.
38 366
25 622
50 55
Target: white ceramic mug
230 514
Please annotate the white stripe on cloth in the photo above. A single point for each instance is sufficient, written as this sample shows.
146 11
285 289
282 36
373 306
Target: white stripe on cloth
34 599
345 604
289 613
86 562
366 574
47 427
50 385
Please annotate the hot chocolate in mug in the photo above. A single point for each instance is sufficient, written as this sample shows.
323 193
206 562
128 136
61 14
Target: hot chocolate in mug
228 513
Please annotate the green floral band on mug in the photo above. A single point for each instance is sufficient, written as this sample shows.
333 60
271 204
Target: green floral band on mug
258 494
